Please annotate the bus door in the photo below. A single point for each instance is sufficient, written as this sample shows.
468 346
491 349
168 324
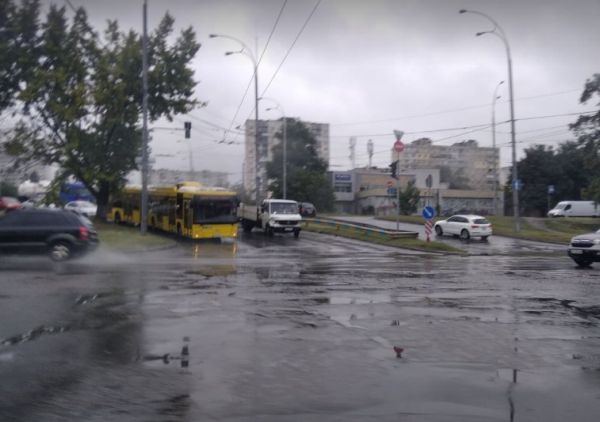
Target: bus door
187 217
172 210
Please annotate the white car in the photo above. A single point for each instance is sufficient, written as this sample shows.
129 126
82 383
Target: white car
86 208
465 226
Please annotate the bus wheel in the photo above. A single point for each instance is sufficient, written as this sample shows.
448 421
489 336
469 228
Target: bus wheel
178 229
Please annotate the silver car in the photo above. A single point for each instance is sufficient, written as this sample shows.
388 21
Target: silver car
585 249
86 208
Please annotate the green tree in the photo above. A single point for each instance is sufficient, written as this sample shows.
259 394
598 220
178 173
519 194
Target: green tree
587 130
306 173
83 105
7 189
19 51
409 199
537 171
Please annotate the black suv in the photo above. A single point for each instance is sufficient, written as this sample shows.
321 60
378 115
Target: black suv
60 233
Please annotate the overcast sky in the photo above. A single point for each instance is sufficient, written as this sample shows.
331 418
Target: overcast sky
369 67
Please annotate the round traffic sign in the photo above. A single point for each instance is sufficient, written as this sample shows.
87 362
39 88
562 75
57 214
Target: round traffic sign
428 213
398 146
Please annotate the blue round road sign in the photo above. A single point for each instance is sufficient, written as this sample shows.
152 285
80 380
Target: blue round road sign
428 213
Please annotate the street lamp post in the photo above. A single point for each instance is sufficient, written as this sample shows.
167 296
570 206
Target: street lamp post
144 196
284 142
499 32
496 96
248 53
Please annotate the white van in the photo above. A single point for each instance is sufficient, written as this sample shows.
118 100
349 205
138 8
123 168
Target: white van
575 209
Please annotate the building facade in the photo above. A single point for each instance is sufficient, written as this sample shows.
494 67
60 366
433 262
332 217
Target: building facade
463 165
267 131
373 191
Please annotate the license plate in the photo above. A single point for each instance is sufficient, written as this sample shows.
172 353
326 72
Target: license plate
576 251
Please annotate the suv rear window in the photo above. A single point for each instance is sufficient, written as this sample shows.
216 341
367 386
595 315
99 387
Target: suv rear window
481 221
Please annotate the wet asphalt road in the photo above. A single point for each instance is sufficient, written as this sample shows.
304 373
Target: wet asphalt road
300 330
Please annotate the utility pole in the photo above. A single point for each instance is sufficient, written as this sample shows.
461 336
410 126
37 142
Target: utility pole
144 199
370 152
352 153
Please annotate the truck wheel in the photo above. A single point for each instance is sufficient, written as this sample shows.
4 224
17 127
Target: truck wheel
297 233
118 218
247 227
269 231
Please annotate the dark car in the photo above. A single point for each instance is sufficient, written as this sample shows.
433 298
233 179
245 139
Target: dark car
61 234
306 209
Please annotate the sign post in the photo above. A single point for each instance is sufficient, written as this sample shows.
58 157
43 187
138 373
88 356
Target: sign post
398 147
428 213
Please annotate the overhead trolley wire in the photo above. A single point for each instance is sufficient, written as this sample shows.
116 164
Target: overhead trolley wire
256 69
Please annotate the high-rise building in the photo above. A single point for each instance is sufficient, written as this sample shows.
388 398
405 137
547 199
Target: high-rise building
267 129
463 165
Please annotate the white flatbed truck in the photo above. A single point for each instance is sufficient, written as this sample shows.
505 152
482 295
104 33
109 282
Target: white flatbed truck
272 216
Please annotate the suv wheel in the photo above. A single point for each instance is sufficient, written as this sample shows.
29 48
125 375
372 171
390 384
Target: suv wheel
464 234
582 262
60 251
438 231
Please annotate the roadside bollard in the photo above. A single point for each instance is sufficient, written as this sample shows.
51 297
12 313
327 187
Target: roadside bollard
185 353
398 351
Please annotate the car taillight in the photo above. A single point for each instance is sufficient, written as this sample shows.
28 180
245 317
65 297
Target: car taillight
474 226
84 233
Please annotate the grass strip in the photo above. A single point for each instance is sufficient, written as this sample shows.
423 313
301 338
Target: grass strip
381 239
129 239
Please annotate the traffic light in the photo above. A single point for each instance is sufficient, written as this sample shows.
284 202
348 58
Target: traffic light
394 167
187 126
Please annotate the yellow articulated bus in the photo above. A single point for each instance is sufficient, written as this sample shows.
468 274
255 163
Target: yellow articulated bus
187 209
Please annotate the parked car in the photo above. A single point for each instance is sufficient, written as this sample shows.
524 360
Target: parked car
585 249
465 226
8 203
61 234
306 209
86 208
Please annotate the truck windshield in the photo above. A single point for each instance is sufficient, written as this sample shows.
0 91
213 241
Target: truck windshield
284 208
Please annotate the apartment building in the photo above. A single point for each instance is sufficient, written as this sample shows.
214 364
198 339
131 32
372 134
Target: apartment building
267 129
463 165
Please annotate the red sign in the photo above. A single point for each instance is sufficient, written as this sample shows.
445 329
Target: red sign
389 183
398 146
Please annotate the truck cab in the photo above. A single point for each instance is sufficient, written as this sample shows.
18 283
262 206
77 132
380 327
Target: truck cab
280 215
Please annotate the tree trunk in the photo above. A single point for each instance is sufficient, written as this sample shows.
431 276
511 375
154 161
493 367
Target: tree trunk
102 199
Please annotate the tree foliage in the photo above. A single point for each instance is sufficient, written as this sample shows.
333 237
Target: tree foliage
306 173
82 103
409 199
573 169
587 130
